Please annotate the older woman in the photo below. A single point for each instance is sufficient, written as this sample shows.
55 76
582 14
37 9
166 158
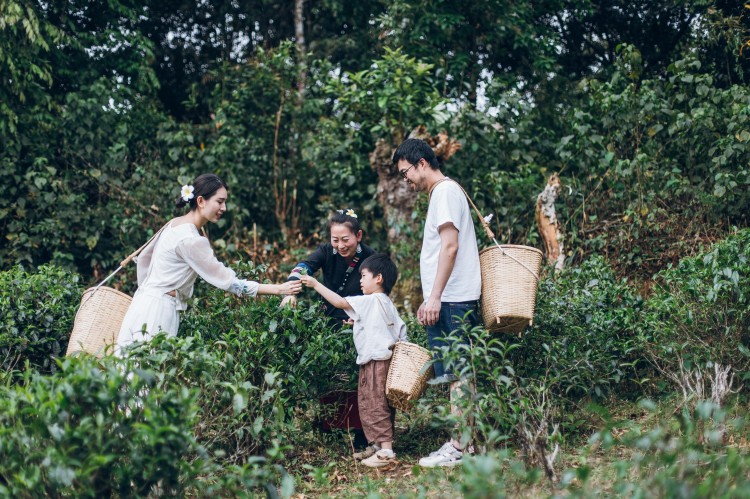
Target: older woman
340 261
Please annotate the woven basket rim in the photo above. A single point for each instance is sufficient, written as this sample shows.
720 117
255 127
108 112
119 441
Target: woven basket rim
410 344
107 289
513 246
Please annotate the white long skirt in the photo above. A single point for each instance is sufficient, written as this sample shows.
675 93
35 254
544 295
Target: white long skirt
150 313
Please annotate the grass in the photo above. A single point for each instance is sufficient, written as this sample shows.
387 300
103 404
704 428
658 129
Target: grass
585 470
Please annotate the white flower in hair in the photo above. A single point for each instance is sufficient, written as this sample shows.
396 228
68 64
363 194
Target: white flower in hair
187 192
351 213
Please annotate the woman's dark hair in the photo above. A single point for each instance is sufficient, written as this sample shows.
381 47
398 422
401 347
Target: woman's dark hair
340 217
380 263
204 185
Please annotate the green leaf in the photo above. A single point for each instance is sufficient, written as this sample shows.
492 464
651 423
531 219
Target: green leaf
239 403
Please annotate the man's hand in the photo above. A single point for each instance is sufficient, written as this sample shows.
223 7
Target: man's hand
429 312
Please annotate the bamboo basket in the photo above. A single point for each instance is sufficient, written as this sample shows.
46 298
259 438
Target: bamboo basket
98 321
407 378
510 275
99 317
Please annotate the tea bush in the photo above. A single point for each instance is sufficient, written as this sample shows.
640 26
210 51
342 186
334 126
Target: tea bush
36 316
585 323
313 356
106 429
700 311
684 456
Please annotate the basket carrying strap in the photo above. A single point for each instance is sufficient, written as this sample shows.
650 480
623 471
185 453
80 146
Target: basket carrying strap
486 226
389 322
122 264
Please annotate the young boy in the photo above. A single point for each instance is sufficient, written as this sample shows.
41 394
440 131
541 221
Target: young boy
377 327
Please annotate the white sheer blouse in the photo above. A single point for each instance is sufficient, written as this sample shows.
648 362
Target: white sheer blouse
177 256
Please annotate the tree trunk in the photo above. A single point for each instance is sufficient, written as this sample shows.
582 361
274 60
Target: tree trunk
393 193
547 222
299 37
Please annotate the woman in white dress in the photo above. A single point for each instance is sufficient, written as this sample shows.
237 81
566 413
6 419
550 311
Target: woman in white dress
170 264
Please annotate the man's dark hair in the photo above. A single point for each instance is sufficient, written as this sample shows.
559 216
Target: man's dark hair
412 150
380 263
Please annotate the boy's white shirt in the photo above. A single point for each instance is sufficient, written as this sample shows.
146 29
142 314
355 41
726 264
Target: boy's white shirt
372 333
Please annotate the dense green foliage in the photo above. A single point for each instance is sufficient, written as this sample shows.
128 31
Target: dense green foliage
36 316
109 107
700 313
96 430
642 108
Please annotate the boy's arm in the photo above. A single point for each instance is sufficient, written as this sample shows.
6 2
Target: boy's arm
331 296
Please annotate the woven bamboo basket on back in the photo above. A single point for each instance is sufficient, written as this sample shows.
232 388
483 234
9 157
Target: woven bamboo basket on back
510 275
99 317
98 321
407 378
509 282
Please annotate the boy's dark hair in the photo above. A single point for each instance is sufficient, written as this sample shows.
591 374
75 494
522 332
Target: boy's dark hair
412 150
380 263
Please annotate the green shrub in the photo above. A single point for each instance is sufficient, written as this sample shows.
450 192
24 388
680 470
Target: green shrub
684 456
700 312
586 319
102 429
313 356
36 316
242 407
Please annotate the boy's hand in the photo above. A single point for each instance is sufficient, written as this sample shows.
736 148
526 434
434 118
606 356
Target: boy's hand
290 300
308 281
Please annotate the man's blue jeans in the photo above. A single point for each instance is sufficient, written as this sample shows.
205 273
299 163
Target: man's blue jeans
452 316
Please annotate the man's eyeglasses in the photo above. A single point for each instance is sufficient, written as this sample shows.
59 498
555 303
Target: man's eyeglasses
404 172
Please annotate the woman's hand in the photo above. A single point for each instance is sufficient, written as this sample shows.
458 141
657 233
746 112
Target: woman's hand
290 288
290 300
308 281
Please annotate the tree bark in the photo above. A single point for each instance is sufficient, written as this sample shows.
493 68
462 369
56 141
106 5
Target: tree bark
547 223
299 37
395 195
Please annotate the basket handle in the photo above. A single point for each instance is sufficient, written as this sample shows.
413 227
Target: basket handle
123 264
488 231
137 252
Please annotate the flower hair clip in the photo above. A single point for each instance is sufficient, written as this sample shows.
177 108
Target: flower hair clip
348 212
187 192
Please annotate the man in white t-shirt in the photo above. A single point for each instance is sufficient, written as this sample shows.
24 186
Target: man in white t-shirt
449 268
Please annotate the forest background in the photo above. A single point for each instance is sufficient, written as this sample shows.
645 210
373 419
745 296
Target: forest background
641 108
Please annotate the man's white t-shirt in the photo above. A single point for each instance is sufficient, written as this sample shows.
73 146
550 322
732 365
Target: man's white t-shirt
448 205
377 326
